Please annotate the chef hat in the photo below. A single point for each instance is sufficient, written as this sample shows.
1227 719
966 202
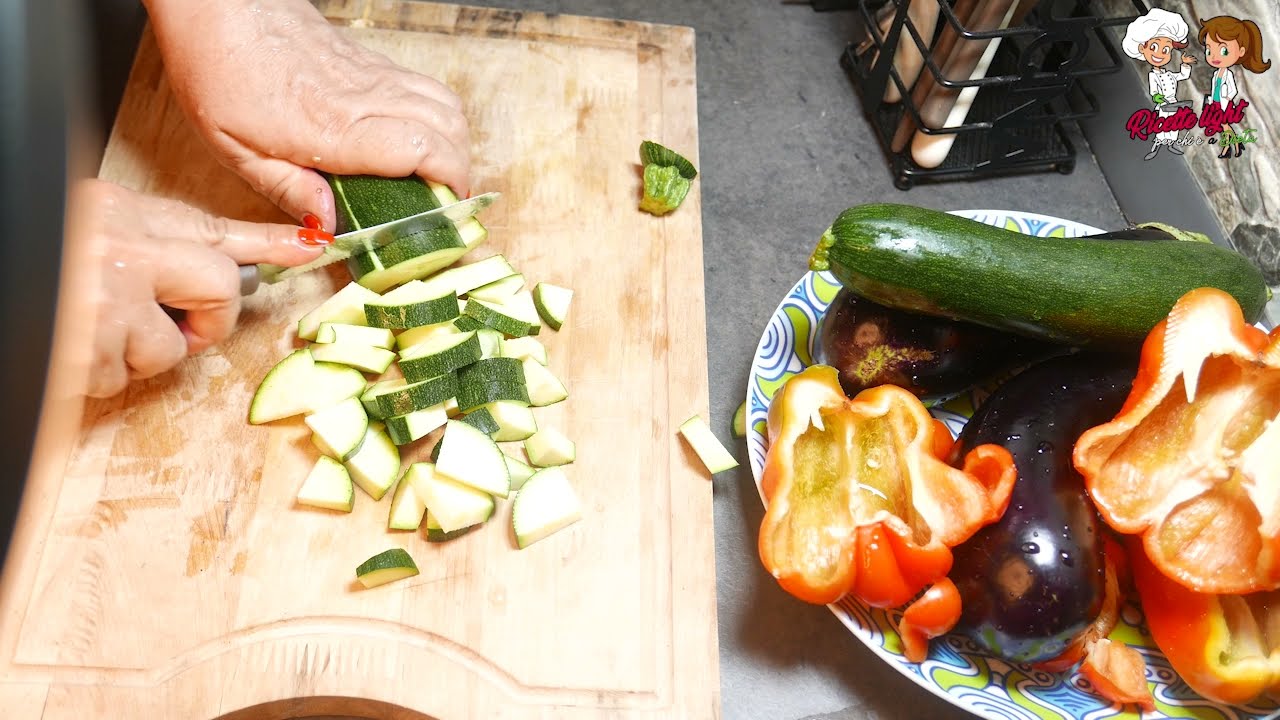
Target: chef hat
1156 23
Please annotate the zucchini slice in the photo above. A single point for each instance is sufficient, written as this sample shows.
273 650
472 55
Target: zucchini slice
365 358
740 420
475 394
298 385
409 258
520 472
490 343
465 278
387 566
544 387
361 334
524 347
514 420
509 318
499 290
481 420
407 509
388 398
338 430
652 153
345 306
436 534
411 337
366 200
466 323
472 458
328 486
404 429
545 505
418 310
552 303
453 505
438 355
472 232
376 464
549 447
712 454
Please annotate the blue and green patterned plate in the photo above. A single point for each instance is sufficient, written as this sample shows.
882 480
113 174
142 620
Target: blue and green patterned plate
956 669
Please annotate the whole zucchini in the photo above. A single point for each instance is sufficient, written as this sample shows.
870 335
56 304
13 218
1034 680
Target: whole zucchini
1087 292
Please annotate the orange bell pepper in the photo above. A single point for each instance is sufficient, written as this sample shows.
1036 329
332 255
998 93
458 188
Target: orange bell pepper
1225 647
1191 463
860 501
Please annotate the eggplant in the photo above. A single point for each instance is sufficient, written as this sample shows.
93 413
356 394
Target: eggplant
1033 581
934 358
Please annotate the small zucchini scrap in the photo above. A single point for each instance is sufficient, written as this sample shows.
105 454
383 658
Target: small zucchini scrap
713 454
667 175
387 566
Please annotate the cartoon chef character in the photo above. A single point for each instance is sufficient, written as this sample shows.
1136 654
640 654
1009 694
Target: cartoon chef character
1152 37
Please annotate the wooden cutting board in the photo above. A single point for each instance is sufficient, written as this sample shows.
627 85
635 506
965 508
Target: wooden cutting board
167 572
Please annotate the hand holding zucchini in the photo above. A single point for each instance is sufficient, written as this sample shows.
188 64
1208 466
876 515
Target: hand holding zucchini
1074 291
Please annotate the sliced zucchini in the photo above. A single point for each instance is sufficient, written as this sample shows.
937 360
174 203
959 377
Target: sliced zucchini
514 420
404 429
298 384
345 306
713 455
490 343
413 336
543 386
552 303
366 200
388 398
495 369
520 472
465 278
509 317
452 504
466 323
524 347
407 508
409 258
361 334
549 447
472 232
499 290
439 354
376 464
328 486
365 358
387 566
416 310
740 420
545 505
481 420
436 534
475 394
338 430
471 457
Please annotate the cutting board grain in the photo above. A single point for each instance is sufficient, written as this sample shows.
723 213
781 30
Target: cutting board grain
167 572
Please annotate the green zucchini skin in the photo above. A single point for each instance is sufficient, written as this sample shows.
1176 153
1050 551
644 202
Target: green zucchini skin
1085 292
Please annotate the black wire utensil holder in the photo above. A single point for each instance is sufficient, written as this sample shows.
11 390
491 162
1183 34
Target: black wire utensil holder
1035 84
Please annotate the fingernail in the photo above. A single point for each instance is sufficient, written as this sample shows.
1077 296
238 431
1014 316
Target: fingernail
314 237
312 222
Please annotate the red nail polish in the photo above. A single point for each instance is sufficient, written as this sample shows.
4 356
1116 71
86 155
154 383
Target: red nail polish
314 237
312 222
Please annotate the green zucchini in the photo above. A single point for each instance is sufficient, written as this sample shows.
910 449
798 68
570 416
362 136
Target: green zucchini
411 312
1089 291
388 398
439 355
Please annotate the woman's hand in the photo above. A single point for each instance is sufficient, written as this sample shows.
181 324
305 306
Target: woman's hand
152 252
276 91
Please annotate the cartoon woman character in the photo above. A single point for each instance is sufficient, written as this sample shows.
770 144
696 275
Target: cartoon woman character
1152 37
1229 42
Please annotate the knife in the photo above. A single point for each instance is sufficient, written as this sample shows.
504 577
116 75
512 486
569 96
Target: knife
363 240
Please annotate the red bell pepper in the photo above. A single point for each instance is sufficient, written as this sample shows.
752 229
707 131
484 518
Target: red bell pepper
1225 647
1191 463
860 501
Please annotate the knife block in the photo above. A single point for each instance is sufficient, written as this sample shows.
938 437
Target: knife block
1036 83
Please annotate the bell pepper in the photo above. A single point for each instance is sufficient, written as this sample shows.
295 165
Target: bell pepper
860 501
1225 647
1191 463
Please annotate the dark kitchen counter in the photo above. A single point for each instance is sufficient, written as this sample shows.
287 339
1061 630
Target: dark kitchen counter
784 148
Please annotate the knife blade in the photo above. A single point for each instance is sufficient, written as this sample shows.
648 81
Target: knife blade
364 240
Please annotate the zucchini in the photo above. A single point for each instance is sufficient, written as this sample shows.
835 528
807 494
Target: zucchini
652 153
466 323
713 455
543 386
345 306
1088 291
472 458
338 430
508 317
439 355
404 429
361 334
473 395
514 421
376 464
499 290
520 472
437 534
451 504
407 508
298 385
388 398
409 258
494 369
524 347
388 566
409 338
465 278
740 420
365 358
549 447
472 232
480 419
552 303
407 312
545 505
363 201
328 486
490 343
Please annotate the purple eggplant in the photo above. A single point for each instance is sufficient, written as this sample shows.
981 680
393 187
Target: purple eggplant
934 358
1033 581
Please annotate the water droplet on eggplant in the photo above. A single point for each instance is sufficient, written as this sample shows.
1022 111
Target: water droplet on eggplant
1029 548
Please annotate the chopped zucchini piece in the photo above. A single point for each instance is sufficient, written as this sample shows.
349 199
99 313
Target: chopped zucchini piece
436 534
524 347
409 258
713 455
472 457
545 505
365 358
407 508
466 323
404 429
520 472
481 420
651 153
416 310
338 430
439 354
490 343
543 386
552 303
298 385
549 447
328 486
508 317
465 278
345 306
387 566
499 290
361 334
664 189
514 420
740 420
452 504
376 464
387 398
409 338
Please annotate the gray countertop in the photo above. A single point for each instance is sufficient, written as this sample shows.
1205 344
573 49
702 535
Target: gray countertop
784 148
